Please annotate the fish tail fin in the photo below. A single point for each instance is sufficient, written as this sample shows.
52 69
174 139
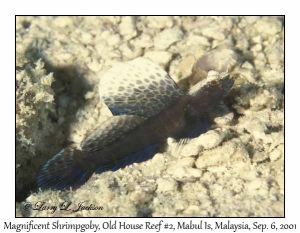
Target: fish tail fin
64 170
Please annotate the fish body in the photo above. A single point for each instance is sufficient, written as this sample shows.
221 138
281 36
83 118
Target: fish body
153 130
148 107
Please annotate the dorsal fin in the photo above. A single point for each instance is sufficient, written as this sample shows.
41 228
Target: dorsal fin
109 131
139 87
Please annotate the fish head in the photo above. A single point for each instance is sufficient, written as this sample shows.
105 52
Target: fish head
208 93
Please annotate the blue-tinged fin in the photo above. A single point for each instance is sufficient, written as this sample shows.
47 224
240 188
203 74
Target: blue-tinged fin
110 130
139 87
68 169
64 170
200 126
193 128
135 157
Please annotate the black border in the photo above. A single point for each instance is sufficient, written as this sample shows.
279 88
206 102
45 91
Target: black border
154 217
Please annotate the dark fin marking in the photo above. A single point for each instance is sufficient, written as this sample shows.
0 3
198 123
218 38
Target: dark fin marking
139 87
110 130
193 125
200 126
194 128
64 170
135 157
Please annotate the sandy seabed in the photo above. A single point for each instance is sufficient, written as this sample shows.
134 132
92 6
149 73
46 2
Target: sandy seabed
235 169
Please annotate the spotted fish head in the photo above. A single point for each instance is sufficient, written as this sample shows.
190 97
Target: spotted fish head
209 92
